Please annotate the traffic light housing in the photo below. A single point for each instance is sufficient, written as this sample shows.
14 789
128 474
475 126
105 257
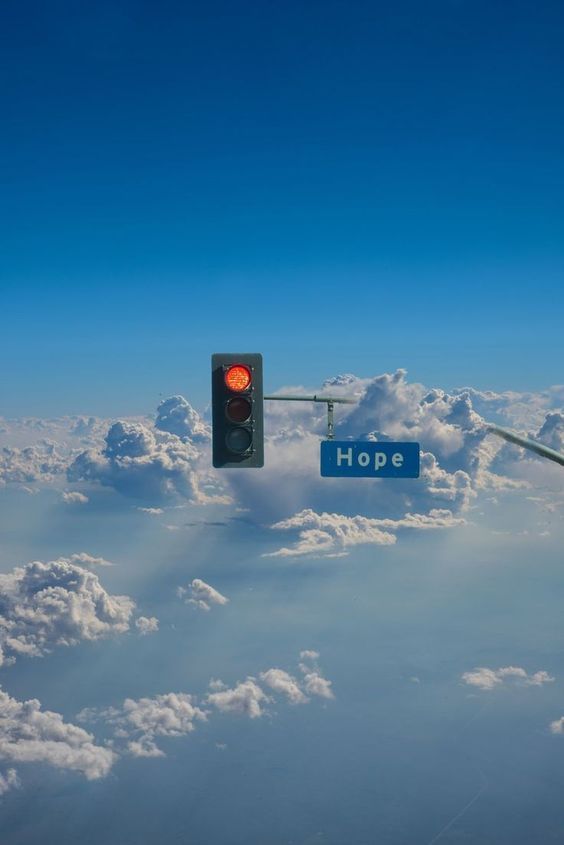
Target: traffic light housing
237 410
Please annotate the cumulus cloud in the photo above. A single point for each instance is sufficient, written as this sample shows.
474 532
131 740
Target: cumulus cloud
84 559
332 534
140 462
249 699
138 723
147 463
557 727
316 684
280 681
525 467
9 780
394 409
29 734
456 452
246 698
313 681
309 654
40 450
74 498
57 603
525 410
551 432
176 416
142 720
488 679
43 460
151 511
172 456
147 624
201 595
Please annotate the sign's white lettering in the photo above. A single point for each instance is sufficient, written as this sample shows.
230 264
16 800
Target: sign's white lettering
380 460
345 458
366 459
341 456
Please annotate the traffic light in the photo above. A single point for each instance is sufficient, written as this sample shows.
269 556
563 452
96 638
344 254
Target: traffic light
237 410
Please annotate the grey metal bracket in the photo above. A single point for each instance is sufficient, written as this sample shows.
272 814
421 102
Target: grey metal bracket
330 401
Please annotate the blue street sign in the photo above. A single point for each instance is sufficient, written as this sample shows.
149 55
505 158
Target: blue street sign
369 459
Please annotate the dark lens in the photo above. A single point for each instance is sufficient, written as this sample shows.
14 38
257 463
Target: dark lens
239 409
238 440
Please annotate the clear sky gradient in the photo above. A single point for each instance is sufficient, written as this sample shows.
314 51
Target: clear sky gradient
342 186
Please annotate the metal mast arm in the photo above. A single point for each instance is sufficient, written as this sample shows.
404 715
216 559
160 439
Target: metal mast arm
336 399
330 401
532 445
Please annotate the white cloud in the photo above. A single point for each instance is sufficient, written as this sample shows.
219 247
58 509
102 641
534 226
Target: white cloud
147 624
332 534
172 456
151 511
280 681
138 723
57 603
316 684
29 734
455 458
246 698
557 727
309 654
524 410
141 462
201 595
84 559
522 465
171 714
551 431
8 781
539 678
42 461
488 679
74 498
176 416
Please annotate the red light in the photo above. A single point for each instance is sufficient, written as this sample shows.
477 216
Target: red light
238 378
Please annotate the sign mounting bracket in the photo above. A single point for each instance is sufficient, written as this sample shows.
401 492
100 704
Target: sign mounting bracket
330 401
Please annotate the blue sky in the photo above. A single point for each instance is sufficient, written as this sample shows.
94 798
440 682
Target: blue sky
340 186
268 656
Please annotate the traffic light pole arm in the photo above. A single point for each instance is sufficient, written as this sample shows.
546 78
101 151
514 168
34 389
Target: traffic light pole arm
532 445
330 401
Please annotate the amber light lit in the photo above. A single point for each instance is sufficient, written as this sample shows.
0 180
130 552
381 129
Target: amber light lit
238 378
